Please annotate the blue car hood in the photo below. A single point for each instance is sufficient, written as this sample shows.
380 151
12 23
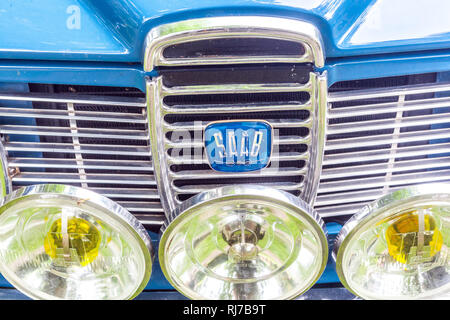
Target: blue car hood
114 30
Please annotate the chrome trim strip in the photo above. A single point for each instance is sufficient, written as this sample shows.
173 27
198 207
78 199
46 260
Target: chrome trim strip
165 35
234 88
380 208
390 107
318 133
83 149
345 189
387 92
383 139
5 180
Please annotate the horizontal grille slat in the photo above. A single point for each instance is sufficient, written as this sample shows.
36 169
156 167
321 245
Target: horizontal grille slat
390 92
85 164
361 126
235 88
190 189
74 98
136 206
282 156
389 108
283 140
128 193
79 115
251 107
206 174
400 179
398 166
386 139
200 126
182 112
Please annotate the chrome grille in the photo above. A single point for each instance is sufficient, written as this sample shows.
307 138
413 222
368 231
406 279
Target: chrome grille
92 141
380 140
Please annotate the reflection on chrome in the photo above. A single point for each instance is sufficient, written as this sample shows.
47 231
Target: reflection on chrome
62 242
243 242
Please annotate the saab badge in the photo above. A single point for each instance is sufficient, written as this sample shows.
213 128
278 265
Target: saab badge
238 146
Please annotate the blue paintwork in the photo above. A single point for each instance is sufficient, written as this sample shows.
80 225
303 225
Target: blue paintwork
238 146
114 30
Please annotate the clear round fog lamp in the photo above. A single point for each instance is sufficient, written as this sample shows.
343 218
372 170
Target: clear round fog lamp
63 242
398 246
243 242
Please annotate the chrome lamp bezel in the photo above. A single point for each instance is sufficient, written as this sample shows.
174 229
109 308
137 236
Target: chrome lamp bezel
82 198
245 192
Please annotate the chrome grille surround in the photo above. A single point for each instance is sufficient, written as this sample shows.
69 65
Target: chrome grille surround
233 27
129 182
161 37
371 162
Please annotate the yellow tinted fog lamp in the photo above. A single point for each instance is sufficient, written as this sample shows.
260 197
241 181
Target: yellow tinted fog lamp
243 242
398 246
63 242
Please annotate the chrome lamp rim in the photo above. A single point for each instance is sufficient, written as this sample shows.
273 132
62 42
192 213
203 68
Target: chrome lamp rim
245 191
108 206
379 209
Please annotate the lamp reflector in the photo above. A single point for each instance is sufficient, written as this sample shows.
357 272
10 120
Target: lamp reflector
398 246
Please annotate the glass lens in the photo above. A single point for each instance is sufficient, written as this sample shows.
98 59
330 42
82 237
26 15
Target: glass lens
405 255
50 249
243 249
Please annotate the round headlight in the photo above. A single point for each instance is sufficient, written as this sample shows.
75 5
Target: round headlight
398 246
63 242
243 242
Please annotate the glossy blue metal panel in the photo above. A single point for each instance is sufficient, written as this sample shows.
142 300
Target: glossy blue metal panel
115 30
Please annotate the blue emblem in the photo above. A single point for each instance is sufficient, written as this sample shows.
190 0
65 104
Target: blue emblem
238 146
